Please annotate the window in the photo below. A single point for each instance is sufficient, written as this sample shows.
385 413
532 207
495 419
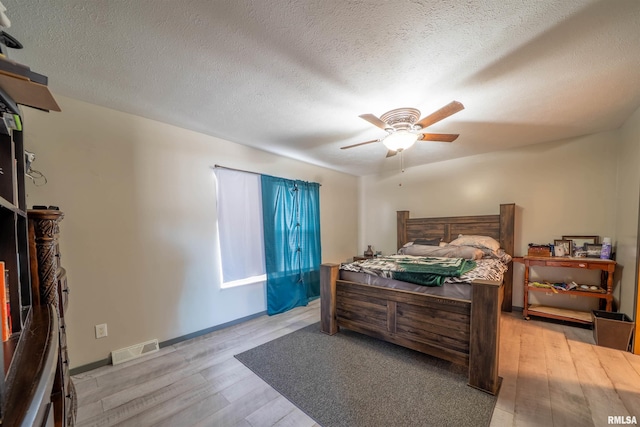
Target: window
240 230
269 231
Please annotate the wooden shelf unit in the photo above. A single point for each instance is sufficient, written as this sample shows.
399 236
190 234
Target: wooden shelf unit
604 292
35 388
14 254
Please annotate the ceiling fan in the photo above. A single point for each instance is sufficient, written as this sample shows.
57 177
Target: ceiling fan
404 129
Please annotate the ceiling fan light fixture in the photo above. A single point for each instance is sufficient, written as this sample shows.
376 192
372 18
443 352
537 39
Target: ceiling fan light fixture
400 140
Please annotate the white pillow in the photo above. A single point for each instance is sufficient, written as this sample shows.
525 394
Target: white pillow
448 251
481 242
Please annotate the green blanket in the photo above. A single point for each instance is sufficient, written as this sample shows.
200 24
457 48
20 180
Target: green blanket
427 271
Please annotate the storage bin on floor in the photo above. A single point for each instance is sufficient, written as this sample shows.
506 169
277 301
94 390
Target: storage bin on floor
612 330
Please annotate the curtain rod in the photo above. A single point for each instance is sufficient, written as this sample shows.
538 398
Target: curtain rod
245 171
234 169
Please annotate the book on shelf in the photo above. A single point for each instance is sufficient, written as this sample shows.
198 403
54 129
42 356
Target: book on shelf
4 304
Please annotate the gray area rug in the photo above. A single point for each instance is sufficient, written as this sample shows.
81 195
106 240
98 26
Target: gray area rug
349 379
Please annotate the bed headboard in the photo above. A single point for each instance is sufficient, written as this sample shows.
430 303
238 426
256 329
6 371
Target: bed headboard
500 227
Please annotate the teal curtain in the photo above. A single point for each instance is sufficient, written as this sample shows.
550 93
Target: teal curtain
291 220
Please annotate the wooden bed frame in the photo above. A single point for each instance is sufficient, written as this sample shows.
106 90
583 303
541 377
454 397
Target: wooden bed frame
463 332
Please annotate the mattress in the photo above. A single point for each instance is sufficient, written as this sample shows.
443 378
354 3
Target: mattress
450 290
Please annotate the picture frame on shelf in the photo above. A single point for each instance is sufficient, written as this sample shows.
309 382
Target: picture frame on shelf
593 250
580 242
563 248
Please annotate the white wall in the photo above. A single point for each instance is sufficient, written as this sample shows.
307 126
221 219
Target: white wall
565 187
139 229
627 211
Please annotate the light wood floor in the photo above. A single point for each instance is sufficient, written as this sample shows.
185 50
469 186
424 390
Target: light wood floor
553 375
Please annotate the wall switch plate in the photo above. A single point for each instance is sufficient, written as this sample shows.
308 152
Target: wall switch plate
101 330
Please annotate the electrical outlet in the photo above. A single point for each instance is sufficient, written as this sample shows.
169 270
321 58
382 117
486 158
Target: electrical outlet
101 330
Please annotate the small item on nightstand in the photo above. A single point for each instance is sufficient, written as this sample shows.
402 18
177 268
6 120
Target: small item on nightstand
369 252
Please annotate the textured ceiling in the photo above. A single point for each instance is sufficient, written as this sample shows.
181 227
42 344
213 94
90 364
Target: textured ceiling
292 76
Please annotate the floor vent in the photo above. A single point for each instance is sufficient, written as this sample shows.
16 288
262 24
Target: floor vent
133 352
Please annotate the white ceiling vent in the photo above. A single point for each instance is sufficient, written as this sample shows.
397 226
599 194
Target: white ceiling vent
133 352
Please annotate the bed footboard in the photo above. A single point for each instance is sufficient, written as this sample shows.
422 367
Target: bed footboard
484 340
455 330
328 318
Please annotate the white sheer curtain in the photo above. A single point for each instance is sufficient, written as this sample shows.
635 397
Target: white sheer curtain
239 206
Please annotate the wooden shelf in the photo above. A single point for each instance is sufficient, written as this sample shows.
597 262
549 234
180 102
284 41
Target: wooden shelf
23 86
604 292
5 204
21 71
560 313
593 294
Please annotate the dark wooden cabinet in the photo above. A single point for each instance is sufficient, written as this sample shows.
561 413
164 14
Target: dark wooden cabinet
30 343
35 385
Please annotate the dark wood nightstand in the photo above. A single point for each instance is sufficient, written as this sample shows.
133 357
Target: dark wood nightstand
360 258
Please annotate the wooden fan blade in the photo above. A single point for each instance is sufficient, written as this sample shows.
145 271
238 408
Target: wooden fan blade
391 153
359 144
449 109
442 137
375 121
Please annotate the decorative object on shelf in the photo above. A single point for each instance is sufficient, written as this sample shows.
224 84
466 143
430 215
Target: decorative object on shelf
9 41
593 250
539 250
605 253
37 177
369 252
579 242
5 22
563 248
